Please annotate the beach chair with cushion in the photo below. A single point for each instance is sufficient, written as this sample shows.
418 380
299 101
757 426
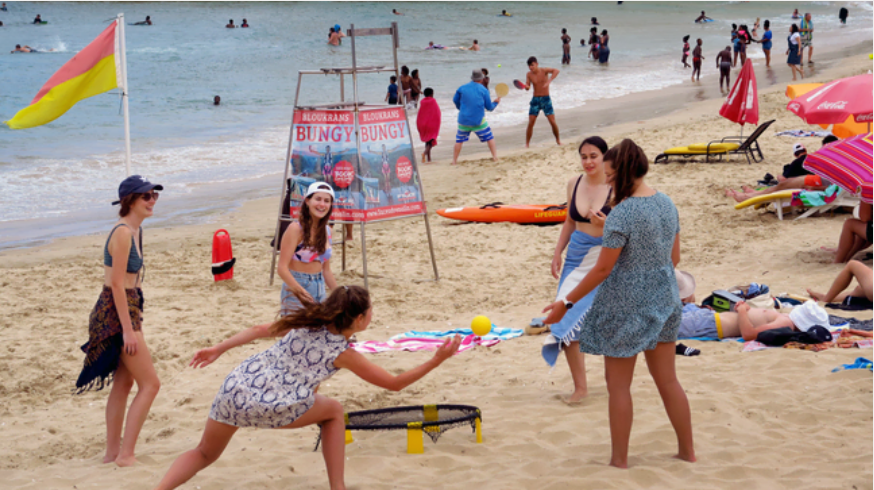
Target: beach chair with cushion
726 146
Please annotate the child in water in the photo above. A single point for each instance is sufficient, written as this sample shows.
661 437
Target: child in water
686 51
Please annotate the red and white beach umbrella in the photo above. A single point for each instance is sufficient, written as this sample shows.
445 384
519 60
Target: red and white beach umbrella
834 102
847 163
742 104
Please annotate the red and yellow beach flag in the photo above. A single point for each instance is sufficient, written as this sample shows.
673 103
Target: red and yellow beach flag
94 70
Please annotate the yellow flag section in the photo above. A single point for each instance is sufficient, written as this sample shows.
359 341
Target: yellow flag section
94 70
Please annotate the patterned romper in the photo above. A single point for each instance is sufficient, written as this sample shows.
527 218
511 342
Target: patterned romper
639 304
275 387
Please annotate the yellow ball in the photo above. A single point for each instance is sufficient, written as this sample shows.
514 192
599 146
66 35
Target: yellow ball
870 57
481 326
499 65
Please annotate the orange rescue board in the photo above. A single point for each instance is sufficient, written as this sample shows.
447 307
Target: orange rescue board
511 213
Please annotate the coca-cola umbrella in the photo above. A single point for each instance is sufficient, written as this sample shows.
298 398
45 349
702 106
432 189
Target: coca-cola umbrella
835 101
742 104
842 130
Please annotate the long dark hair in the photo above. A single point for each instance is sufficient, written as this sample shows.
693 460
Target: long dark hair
629 163
319 242
342 307
126 203
794 28
596 141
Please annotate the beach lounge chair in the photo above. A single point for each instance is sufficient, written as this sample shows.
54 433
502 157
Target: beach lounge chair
843 200
726 146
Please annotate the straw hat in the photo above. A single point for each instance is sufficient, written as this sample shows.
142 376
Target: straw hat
686 283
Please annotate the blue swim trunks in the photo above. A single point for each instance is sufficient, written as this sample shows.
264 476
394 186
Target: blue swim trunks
541 104
483 131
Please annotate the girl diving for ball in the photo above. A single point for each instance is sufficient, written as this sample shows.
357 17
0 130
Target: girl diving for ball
276 389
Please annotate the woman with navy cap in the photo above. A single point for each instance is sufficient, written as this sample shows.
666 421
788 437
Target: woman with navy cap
116 351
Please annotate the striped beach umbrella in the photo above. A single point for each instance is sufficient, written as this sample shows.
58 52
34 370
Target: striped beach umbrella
847 163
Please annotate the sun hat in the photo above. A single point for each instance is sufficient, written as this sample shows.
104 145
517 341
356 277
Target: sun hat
797 148
686 283
135 184
319 187
477 75
808 315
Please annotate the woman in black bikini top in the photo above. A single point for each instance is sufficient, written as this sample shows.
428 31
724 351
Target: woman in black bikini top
575 215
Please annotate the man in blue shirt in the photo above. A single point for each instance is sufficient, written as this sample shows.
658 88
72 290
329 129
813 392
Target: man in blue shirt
472 101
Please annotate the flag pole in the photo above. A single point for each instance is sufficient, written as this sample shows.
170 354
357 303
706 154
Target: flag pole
124 92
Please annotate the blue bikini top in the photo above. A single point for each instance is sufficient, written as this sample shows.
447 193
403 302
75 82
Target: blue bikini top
134 260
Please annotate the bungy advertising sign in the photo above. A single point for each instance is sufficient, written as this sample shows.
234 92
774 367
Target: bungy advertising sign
324 150
388 178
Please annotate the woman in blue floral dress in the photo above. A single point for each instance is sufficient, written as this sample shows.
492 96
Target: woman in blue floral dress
637 307
276 389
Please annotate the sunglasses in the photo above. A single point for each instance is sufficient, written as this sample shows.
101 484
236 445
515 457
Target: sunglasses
150 196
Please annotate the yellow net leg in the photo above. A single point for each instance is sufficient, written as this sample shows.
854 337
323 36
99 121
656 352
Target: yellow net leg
349 439
415 441
479 431
431 415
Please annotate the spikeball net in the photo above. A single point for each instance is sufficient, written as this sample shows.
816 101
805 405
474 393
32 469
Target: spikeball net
418 421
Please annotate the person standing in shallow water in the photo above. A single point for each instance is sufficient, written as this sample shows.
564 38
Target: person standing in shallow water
637 307
116 351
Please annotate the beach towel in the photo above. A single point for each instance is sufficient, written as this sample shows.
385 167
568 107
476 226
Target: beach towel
428 120
859 363
431 341
854 323
803 133
815 198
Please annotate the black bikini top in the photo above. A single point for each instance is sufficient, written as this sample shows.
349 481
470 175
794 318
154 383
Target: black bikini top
575 215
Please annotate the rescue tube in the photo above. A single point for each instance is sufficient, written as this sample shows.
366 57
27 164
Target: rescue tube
496 212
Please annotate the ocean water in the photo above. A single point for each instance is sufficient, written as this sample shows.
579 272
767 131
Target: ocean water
177 65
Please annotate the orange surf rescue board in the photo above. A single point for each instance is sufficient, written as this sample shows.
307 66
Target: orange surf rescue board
496 212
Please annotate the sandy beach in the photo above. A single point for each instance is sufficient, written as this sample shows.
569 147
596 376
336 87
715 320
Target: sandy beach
763 420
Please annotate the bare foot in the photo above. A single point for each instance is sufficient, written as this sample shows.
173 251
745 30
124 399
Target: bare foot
454 162
829 249
558 142
109 458
816 296
619 464
122 462
574 399
526 145
690 458
730 192
740 197
747 188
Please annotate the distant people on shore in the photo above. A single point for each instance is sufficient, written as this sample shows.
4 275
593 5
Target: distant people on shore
697 58
230 24
686 49
394 11
406 85
565 47
540 79
702 18
472 102
806 31
766 43
741 41
604 48
415 87
428 123
842 15
794 52
146 22
37 19
723 64
391 95
245 23
217 100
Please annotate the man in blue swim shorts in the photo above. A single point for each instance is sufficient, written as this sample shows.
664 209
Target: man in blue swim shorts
472 101
540 78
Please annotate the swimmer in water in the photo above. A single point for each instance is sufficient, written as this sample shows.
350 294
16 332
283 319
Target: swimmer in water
3 8
686 51
595 21
334 38
245 23
231 24
505 14
146 22
475 47
396 12
217 100
796 15
38 19
431 45
702 18
25 49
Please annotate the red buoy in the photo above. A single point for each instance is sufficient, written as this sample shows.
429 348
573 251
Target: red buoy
222 256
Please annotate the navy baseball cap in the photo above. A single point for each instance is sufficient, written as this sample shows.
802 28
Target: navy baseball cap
135 184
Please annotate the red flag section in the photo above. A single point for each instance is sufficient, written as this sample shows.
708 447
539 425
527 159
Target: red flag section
742 104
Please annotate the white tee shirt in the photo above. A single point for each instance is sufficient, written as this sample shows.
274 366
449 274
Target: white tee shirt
795 38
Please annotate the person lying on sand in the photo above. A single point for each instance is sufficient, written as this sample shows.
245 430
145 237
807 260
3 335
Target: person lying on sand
746 322
836 293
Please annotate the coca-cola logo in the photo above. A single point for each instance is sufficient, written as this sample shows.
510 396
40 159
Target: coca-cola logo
344 174
837 105
794 106
864 118
404 169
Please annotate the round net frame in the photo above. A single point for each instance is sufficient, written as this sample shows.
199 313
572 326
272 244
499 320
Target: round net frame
418 420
